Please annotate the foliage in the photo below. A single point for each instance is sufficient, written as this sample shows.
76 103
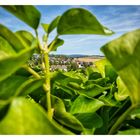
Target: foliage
102 99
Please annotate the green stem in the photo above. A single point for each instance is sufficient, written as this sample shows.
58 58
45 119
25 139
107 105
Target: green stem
46 68
34 73
118 123
47 84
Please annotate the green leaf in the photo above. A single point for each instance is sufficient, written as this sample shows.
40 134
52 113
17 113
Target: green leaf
53 24
26 117
48 28
27 13
9 86
130 132
85 105
80 21
5 48
25 37
135 113
93 90
109 100
11 64
29 86
123 53
23 72
122 93
105 68
91 74
90 120
64 117
11 38
45 27
58 42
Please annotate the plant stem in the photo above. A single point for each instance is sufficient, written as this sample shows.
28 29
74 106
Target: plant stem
34 73
116 126
47 84
46 68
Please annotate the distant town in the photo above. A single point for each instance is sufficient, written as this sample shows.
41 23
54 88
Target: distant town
66 62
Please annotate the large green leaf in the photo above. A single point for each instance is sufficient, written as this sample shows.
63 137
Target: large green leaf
9 86
80 21
11 64
27 13
26 117
123 53
11 38
85 105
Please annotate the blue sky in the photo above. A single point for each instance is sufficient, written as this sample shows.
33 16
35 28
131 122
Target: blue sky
120 19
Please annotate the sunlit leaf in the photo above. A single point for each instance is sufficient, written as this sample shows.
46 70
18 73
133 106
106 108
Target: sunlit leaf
106 69
27 117
45 27
123 53
58 42
80 21
122 93
53 24
85 105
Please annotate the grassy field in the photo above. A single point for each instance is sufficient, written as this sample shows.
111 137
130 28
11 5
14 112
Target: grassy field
89 59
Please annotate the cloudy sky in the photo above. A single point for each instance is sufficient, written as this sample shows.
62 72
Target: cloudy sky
120 19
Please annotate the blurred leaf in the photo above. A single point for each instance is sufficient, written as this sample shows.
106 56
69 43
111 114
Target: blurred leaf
135 113
9 86
123 53
5 48
11 38
27 13
85 105
45 27
25 37
13 63
29 86
80 21
130 132
27 117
